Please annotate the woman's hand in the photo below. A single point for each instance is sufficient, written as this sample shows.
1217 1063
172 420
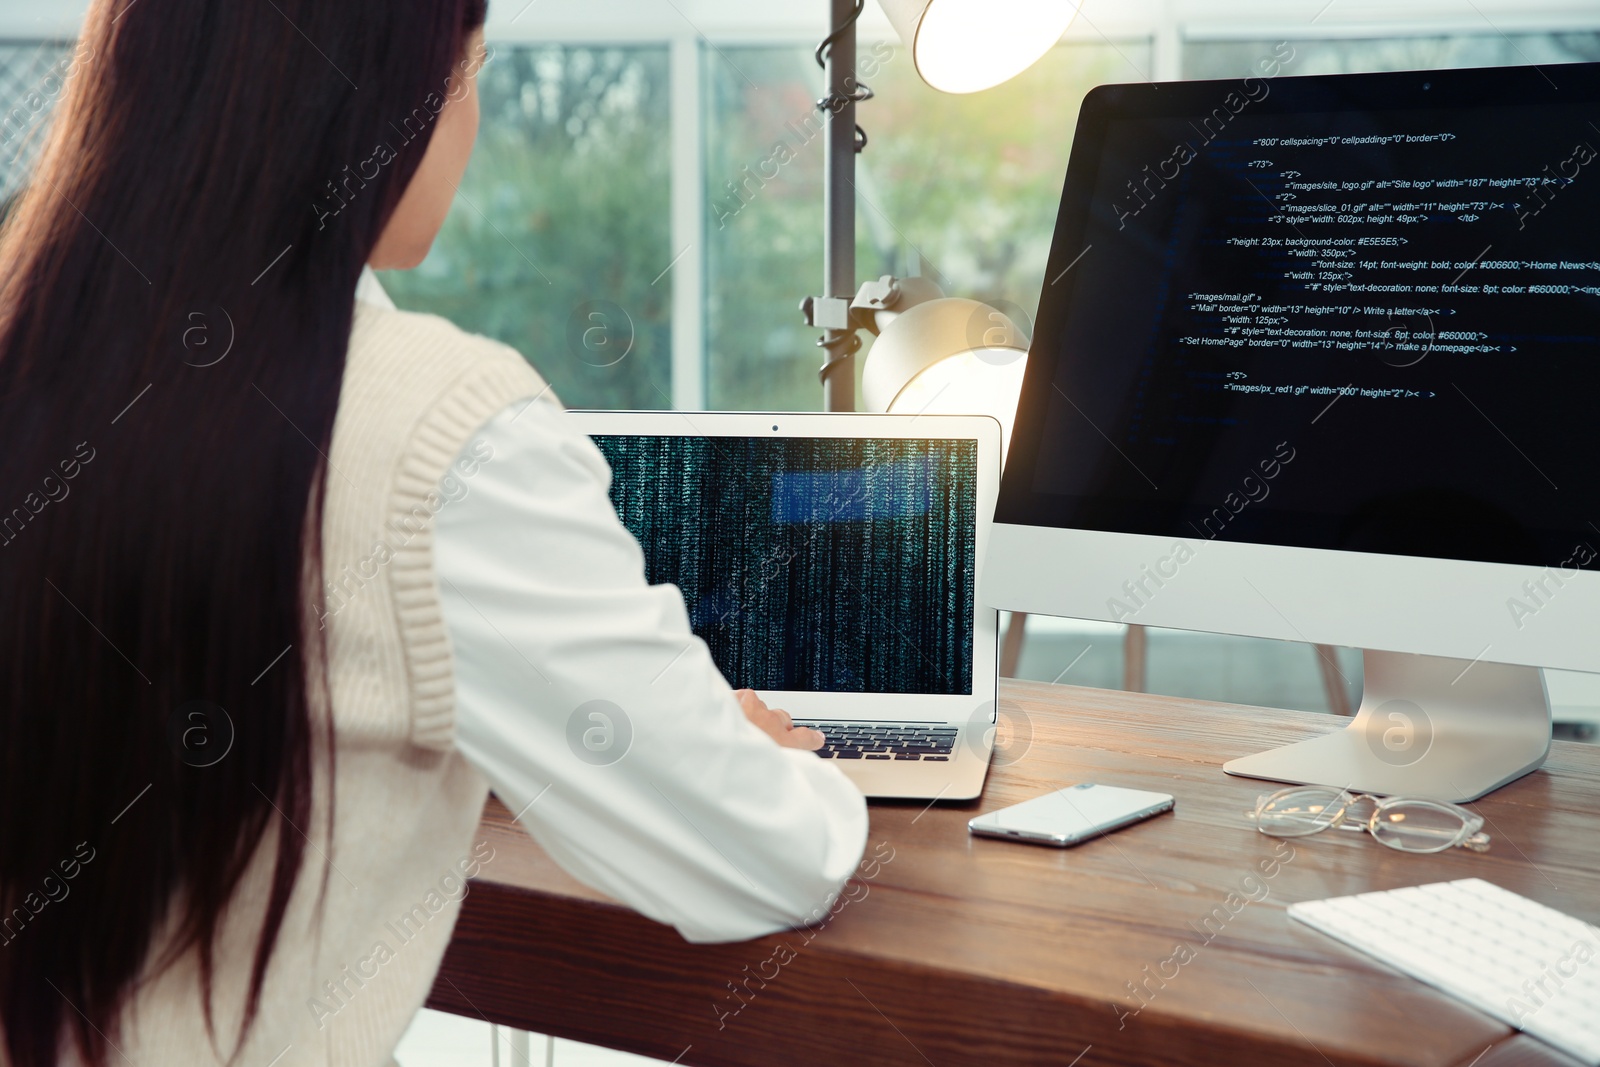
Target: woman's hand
776 724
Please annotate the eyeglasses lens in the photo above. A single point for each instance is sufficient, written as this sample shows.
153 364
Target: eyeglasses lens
1418 826
1299 812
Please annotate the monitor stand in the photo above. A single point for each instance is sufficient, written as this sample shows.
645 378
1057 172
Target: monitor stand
1446 729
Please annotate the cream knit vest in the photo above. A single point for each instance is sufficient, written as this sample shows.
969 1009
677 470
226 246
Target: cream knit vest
344 983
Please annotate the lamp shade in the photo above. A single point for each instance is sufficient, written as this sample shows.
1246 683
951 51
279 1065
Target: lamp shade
962 46
949 356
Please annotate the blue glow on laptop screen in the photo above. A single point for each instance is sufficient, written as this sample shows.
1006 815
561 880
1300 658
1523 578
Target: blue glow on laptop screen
812 564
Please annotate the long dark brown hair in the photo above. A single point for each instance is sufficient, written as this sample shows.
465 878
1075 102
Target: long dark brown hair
176 296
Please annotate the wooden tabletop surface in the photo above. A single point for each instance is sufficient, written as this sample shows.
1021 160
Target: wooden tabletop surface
1165 943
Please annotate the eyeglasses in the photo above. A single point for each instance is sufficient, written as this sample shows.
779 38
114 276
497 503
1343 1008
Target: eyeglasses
1407 824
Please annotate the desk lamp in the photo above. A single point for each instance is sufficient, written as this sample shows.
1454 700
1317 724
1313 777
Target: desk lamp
963 46
958 46
939 355
933 352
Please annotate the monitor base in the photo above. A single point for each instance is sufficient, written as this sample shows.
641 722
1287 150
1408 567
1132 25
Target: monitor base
1445 729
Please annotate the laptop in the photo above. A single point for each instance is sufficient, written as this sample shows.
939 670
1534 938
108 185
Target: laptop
830 562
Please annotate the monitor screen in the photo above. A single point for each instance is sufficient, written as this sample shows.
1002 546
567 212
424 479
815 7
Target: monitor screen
1356 312
837 565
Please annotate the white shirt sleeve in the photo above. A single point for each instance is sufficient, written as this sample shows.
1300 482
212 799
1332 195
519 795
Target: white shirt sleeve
371 290
587 702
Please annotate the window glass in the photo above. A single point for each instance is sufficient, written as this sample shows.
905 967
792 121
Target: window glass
962 189
562 223
560 228
30 83
1229 59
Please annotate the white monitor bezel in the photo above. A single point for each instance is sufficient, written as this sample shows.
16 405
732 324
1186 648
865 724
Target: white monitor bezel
888 707
1460 609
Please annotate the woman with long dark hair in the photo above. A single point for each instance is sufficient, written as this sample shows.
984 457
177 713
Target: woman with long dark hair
261 667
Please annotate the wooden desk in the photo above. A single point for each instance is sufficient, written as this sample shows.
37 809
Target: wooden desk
973 951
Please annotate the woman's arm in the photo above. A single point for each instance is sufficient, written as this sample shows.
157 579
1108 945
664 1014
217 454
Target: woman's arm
585 699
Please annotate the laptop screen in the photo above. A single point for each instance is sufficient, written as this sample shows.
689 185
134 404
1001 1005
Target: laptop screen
812 564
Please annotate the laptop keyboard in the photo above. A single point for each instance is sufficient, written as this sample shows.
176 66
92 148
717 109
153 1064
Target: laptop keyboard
886 741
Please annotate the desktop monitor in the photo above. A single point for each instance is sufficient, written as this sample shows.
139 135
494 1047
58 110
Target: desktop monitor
1318 359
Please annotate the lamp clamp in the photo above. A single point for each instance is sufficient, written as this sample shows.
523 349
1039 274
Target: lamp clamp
826 312
878 302
841 313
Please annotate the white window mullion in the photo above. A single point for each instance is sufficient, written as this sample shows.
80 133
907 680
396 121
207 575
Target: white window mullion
688 273
1167 44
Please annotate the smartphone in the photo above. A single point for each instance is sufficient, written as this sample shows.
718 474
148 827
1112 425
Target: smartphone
1072 815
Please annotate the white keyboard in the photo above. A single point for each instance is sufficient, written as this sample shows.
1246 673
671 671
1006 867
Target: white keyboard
1527 965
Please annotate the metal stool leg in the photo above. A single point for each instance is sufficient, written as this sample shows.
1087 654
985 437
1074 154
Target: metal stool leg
1134 644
